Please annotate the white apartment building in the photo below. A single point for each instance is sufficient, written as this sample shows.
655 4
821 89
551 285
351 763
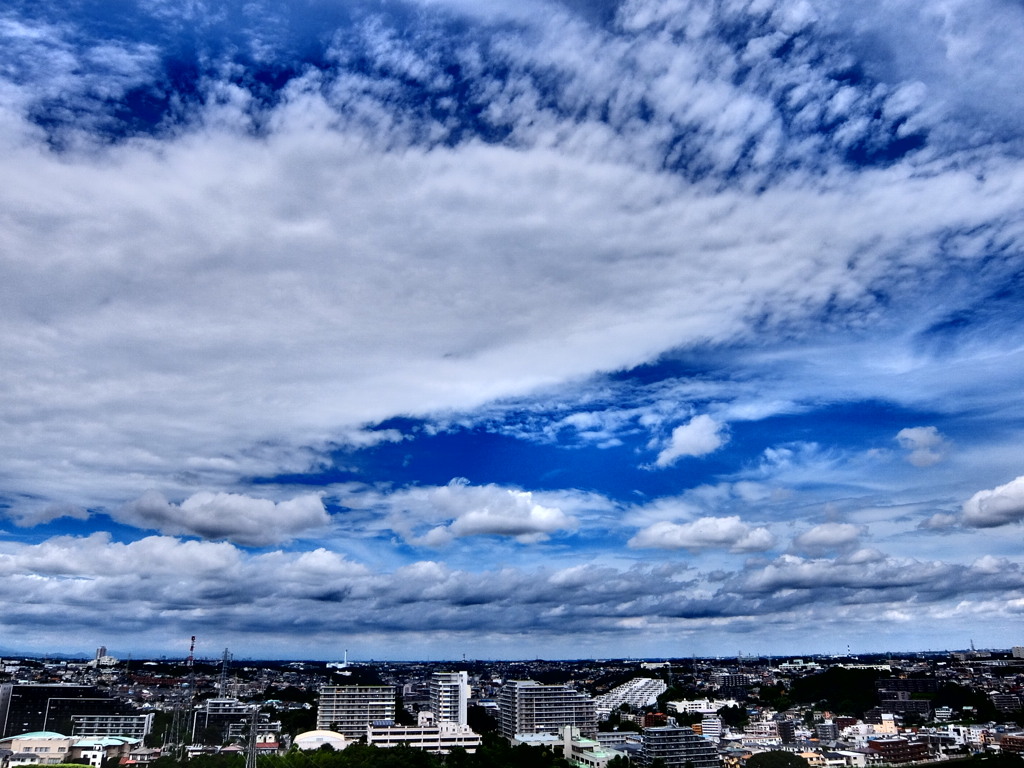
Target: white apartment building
449 696
528 707
585 753
428 735
349 709
96 751
711 727
700 706
639 692
128 726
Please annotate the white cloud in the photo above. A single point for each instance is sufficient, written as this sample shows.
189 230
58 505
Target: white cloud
940 521
700 436
437 516
38 515
144 393
159 587
829 537
708 532
1000 506
235 517
925 445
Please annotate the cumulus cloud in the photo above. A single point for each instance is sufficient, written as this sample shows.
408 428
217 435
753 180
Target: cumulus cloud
437 516
700 436
234 517
294 599
925 446
706 533
829 537
1000 506
940 521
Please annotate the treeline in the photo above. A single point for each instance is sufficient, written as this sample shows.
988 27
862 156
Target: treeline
854 691
494 752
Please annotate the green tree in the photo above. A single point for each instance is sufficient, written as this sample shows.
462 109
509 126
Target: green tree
775 696
734 717
776 759
480 721
851 691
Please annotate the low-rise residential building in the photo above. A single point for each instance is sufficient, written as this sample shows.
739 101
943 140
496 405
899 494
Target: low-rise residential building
584 752
428 735
127 726
38 748
898 750
95 751
700 706
1012 743
711 727
638 693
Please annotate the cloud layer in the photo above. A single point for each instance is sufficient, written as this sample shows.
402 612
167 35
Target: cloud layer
711 310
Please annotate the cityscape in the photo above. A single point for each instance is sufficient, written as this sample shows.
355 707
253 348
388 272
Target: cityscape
824 712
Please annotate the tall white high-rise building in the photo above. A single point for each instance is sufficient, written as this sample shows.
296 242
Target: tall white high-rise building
449 696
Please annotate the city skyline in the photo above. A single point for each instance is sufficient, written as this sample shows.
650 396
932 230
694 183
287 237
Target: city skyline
595 329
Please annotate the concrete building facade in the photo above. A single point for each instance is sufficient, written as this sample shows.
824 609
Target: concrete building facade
98 726
428 735
349 709
449 696
33 708
677 746
529 707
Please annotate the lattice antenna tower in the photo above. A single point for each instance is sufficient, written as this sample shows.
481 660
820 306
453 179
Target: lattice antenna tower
250 747
175 736
224 662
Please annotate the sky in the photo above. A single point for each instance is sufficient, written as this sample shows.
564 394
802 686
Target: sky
532 329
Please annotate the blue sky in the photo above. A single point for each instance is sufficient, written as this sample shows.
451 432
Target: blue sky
511 329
